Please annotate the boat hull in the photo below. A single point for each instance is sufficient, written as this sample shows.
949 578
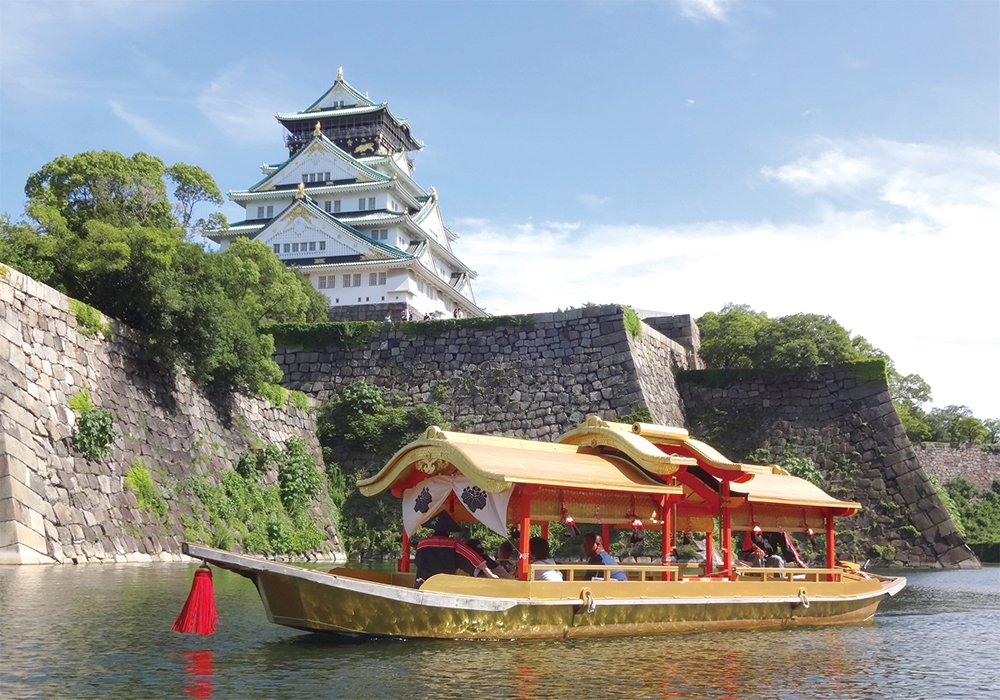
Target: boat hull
459 607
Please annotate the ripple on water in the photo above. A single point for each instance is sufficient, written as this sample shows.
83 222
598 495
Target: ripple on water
103 631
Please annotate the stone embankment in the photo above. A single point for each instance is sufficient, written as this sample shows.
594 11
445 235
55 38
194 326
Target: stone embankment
843 419
534 379
57 506
981 467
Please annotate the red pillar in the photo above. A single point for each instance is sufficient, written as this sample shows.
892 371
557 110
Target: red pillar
522 567
831 556
545 530
404 558
727 529
606 535
709 552
668 531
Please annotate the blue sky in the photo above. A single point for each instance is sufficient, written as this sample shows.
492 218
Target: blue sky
831 157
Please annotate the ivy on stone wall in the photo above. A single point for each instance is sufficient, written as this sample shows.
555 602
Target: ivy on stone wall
431 328
89 319
338 335
139 482
241 509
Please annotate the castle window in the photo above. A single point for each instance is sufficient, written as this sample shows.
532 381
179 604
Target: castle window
372 278
287 247
336 205
277 248
357 281
312 177
347 280
326 176
371 202
322 245
322 281
295 247
305 178
381 278
361 203
312 246
326 205
270 210
260 212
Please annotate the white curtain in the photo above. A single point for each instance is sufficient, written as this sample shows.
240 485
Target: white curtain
423 501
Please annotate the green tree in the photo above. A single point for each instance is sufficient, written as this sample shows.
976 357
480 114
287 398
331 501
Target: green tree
957 426
192 186
103 185
803 340
729 337
360 429
103 233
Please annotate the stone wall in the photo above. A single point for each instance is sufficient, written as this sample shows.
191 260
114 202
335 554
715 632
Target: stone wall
57 506
682 329
843 419
979 466
535 380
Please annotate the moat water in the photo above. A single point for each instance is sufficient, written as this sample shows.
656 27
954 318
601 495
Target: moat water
96 631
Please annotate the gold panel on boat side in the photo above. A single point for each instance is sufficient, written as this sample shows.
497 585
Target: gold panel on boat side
539 609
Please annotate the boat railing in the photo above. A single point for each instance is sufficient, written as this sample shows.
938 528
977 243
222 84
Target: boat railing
786 573
638 572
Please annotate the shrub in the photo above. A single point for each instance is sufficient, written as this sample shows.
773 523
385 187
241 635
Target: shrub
299 400
298 478
274 393
633 326
94 431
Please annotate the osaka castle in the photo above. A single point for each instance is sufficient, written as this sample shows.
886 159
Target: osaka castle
345 210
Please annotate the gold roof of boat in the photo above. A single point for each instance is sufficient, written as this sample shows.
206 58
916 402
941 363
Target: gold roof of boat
641 442
785 489
496 464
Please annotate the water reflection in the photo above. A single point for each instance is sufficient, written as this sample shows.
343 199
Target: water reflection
200 669
104 631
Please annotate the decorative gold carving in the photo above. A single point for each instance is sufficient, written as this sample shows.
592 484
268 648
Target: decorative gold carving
340 73
364 148
317 131
300 192
434 192
435 433
300 213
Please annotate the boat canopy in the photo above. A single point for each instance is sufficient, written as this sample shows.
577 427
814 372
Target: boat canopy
483 471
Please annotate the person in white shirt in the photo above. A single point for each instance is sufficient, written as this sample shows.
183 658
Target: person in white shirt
538 553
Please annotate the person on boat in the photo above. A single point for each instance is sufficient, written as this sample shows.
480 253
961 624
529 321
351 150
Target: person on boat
491 563
770 549
442 554
593 550
538 553
507 558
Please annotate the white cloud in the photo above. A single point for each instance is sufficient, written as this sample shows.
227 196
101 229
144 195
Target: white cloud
236 103
41 41
592 201
153 134
705 10
832 169
914 277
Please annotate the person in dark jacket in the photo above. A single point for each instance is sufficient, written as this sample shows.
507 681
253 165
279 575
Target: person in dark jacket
442 554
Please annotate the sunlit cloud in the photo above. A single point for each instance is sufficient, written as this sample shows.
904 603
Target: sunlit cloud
910 277
705 10
154 135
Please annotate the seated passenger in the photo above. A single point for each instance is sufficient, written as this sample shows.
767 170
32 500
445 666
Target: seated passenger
538 553
442 554
593 550
507 557
758 550
491 563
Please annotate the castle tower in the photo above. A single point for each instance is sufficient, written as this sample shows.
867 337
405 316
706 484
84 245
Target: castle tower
345 209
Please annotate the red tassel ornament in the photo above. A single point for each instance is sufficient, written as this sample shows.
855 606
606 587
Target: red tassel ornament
198 615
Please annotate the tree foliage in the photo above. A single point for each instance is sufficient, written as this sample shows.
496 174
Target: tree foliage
103 232
359 431
978 509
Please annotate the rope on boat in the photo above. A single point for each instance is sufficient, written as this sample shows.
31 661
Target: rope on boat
803 598
587 598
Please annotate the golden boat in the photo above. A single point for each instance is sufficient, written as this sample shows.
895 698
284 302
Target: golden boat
612 474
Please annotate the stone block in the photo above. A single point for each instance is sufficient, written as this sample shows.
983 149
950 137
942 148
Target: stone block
15 533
